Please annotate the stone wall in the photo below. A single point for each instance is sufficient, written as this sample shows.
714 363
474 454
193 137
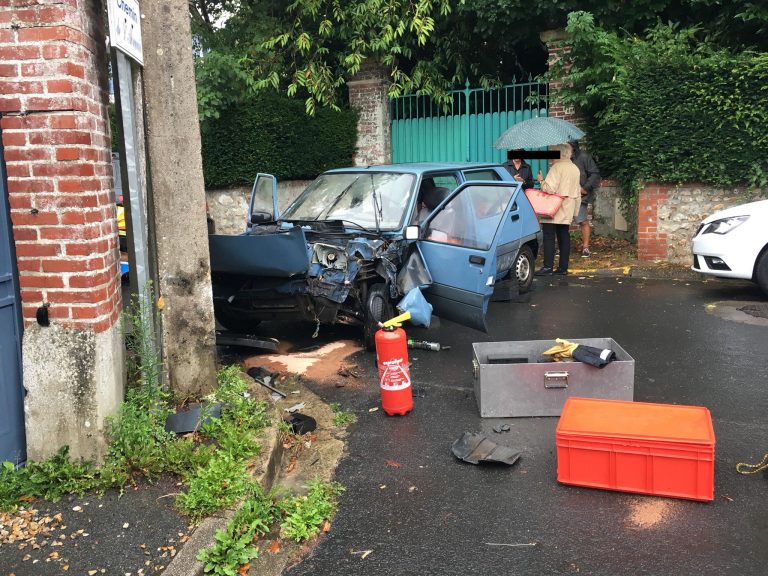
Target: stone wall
228 207
608 216
668 216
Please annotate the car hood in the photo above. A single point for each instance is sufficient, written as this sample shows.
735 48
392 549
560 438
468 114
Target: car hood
758 208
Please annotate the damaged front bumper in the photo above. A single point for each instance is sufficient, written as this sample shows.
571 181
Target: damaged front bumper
300 274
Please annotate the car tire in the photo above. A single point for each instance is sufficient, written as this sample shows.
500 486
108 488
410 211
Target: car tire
523 269
378 308
761 272
234 319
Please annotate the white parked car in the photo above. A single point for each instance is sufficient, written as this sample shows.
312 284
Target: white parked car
733 243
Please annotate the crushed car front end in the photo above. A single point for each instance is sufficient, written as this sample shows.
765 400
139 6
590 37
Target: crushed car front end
337 242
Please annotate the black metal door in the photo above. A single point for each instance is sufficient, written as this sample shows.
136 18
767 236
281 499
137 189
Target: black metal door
12 438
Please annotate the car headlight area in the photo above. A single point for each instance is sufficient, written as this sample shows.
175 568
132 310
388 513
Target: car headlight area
724 225
719 248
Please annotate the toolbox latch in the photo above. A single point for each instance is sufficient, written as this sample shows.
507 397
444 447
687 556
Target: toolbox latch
555 379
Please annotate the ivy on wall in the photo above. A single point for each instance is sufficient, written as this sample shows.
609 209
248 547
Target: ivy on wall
668 107
271 133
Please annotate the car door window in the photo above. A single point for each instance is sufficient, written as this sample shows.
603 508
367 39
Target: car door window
449 181
470 218
434 189
263 198
486 175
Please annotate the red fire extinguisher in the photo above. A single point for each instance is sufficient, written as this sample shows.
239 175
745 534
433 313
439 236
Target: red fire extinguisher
394 375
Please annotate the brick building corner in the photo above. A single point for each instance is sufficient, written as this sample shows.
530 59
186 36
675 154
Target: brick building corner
368 95
54 105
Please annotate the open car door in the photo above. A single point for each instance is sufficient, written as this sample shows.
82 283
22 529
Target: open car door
458 244
253 253
263 204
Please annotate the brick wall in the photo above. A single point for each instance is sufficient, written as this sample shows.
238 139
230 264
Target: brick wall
53 97
651 239
557 45
669 215
368 94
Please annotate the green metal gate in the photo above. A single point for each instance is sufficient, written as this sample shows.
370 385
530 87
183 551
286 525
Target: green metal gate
423 131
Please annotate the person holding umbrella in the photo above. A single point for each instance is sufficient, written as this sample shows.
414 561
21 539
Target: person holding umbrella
562 179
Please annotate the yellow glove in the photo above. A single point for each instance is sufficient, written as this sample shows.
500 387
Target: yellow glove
562 350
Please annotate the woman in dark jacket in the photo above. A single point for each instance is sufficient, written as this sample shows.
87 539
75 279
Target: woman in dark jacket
519 168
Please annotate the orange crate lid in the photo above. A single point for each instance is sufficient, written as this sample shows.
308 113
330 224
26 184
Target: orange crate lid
641 420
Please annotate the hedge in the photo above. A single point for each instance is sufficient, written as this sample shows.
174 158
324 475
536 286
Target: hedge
670 107
273 134
675 122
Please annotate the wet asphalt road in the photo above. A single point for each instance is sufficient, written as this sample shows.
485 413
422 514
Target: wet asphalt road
437 515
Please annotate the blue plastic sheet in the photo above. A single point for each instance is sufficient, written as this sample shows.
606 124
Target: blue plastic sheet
415 303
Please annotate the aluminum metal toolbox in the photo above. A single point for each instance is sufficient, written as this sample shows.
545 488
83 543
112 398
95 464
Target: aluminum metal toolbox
514 379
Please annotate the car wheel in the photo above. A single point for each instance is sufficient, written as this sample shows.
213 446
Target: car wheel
523 269
761 272
378 308
233 318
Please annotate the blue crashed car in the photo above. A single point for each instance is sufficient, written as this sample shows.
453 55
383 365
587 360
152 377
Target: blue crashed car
357 239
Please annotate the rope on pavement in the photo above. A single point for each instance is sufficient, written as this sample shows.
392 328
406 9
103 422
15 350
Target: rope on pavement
744 468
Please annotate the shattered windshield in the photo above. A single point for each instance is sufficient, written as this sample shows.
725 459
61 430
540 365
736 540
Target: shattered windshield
373 200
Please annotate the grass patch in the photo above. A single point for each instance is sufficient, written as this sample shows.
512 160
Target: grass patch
342 418
233 546
299 518
212 463
305 515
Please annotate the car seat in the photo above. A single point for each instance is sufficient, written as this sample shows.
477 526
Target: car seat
433 196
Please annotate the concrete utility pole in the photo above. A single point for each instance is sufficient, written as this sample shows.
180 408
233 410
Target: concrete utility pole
177 205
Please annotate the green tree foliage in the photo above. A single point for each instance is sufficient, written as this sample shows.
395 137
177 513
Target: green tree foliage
733 23
669 106
310 48
228 35
271 133
322 43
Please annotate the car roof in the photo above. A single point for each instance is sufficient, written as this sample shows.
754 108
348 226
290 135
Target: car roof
416 167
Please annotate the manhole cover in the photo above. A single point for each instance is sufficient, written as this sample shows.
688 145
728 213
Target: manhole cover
756 310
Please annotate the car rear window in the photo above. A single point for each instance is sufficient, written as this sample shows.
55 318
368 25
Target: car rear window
485 175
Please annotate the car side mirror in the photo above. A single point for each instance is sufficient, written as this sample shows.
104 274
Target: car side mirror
261 217
412 233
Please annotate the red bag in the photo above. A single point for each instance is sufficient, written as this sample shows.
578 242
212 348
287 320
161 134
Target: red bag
544 203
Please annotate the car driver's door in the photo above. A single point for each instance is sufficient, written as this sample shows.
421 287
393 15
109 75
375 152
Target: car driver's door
262 206
458 244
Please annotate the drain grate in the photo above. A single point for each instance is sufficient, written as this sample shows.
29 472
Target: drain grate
756 310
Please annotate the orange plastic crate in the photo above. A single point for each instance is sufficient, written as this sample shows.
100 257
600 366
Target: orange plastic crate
659 449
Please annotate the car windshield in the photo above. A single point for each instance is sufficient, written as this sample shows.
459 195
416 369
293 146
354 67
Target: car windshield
373 200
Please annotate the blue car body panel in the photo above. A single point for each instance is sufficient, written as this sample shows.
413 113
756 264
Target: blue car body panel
463 277
244 254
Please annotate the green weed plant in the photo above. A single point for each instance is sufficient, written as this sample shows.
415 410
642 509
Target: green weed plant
304 515
233 545
300 518
342 418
